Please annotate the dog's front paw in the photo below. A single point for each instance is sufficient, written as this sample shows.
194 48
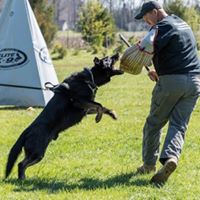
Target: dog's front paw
112 114
98 117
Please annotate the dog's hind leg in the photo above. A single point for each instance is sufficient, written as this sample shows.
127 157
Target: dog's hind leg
28 161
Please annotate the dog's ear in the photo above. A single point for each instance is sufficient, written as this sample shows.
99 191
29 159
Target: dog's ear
96 61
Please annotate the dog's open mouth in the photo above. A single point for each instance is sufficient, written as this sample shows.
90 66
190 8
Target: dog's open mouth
115 58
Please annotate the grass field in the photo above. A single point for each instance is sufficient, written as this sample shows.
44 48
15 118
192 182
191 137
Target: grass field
98 161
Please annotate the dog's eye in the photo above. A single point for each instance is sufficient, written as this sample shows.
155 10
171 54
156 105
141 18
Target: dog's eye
107 62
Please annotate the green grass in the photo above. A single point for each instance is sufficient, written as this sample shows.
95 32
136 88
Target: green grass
98 161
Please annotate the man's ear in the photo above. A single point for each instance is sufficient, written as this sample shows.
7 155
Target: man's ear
96 61
155 11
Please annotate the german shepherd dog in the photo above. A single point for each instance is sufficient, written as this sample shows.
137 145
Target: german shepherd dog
73 99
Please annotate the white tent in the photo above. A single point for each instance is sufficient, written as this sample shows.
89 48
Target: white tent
24 57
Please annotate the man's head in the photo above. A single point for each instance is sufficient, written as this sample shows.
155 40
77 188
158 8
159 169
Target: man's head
151 12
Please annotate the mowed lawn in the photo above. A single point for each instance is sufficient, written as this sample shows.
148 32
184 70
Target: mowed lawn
98 161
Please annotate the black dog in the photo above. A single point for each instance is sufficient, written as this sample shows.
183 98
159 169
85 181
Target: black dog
73 99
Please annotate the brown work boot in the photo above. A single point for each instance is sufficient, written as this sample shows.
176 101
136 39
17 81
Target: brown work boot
146 169
163 174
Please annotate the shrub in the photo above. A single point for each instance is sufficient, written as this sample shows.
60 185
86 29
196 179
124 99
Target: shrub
59 52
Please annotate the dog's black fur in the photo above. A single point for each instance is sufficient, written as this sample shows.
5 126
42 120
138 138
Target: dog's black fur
73 99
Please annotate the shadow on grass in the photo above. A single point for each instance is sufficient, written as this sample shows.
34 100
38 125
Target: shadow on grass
53 185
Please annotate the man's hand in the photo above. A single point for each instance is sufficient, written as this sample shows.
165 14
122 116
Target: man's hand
153 75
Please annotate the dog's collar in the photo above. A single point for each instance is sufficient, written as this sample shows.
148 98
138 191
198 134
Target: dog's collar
91 75
91 84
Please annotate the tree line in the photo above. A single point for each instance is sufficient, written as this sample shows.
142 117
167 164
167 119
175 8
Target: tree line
99 20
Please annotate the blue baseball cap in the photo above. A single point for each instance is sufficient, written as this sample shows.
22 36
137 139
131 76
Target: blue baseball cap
146 7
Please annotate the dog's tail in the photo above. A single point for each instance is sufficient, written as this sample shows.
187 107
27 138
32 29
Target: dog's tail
14 153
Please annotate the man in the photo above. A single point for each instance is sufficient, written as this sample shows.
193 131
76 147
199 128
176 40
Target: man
177 76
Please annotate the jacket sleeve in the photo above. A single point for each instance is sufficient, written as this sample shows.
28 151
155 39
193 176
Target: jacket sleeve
164 35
